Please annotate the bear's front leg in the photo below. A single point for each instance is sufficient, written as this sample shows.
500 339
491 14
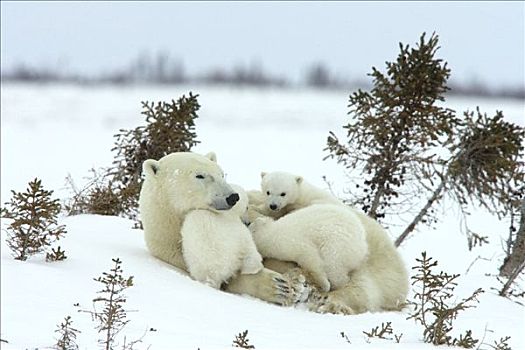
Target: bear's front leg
270 286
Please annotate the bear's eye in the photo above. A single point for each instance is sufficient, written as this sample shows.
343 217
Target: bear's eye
267 193
283 194
200 177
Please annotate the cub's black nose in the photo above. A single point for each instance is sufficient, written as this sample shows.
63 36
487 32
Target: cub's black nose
232 199
273 206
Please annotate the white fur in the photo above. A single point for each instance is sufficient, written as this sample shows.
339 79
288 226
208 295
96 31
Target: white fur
217 245
329 251
378 282
170 190
381 282
286 192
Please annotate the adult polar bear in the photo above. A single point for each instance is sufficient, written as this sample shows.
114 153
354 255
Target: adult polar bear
181 182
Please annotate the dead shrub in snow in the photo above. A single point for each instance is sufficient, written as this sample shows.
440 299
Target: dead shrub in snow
34 227
502 344
99 196
241 341
514 262
384 331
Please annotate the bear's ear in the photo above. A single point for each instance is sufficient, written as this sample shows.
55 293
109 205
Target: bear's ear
211 156
298 179
150 167
263 174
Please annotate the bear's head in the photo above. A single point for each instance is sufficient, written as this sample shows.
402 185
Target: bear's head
190 181
280 189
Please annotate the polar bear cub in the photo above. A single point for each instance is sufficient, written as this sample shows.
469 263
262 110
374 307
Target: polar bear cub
327 240
216 245
286 192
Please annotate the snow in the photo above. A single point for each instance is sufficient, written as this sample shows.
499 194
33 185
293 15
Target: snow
49 131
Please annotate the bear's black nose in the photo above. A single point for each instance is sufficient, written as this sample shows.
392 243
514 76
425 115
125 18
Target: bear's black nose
273 206
232 199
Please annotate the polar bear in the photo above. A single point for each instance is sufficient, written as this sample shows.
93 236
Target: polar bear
218 245
184 181
328 251
380 282
286 192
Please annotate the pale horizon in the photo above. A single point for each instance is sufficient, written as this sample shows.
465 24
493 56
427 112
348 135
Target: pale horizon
482 42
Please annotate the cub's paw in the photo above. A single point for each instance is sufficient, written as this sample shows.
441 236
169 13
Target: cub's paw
258 224
252 214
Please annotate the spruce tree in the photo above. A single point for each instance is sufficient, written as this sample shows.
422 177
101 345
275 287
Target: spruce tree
67 335
434 307
109 313
394 127
485 167
34 225
169 127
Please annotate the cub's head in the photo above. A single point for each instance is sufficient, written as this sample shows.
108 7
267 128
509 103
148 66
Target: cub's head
189 181
280 189
241 207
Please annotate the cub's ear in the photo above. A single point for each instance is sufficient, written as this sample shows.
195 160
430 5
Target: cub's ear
263 174
298 179
211 156
150 167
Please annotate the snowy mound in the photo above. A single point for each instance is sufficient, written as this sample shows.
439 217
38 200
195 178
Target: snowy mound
64 131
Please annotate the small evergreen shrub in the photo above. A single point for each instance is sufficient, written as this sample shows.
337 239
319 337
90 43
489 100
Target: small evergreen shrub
502 344
56 255
67 335
433 307
34 227
241 341
109 313
169 127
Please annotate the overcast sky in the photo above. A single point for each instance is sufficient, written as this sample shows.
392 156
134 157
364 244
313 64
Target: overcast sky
482 41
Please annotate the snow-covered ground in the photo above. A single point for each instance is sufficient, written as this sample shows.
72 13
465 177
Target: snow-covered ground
49 131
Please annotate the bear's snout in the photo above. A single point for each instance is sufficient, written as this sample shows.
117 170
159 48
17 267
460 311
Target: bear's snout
232 199
273 206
